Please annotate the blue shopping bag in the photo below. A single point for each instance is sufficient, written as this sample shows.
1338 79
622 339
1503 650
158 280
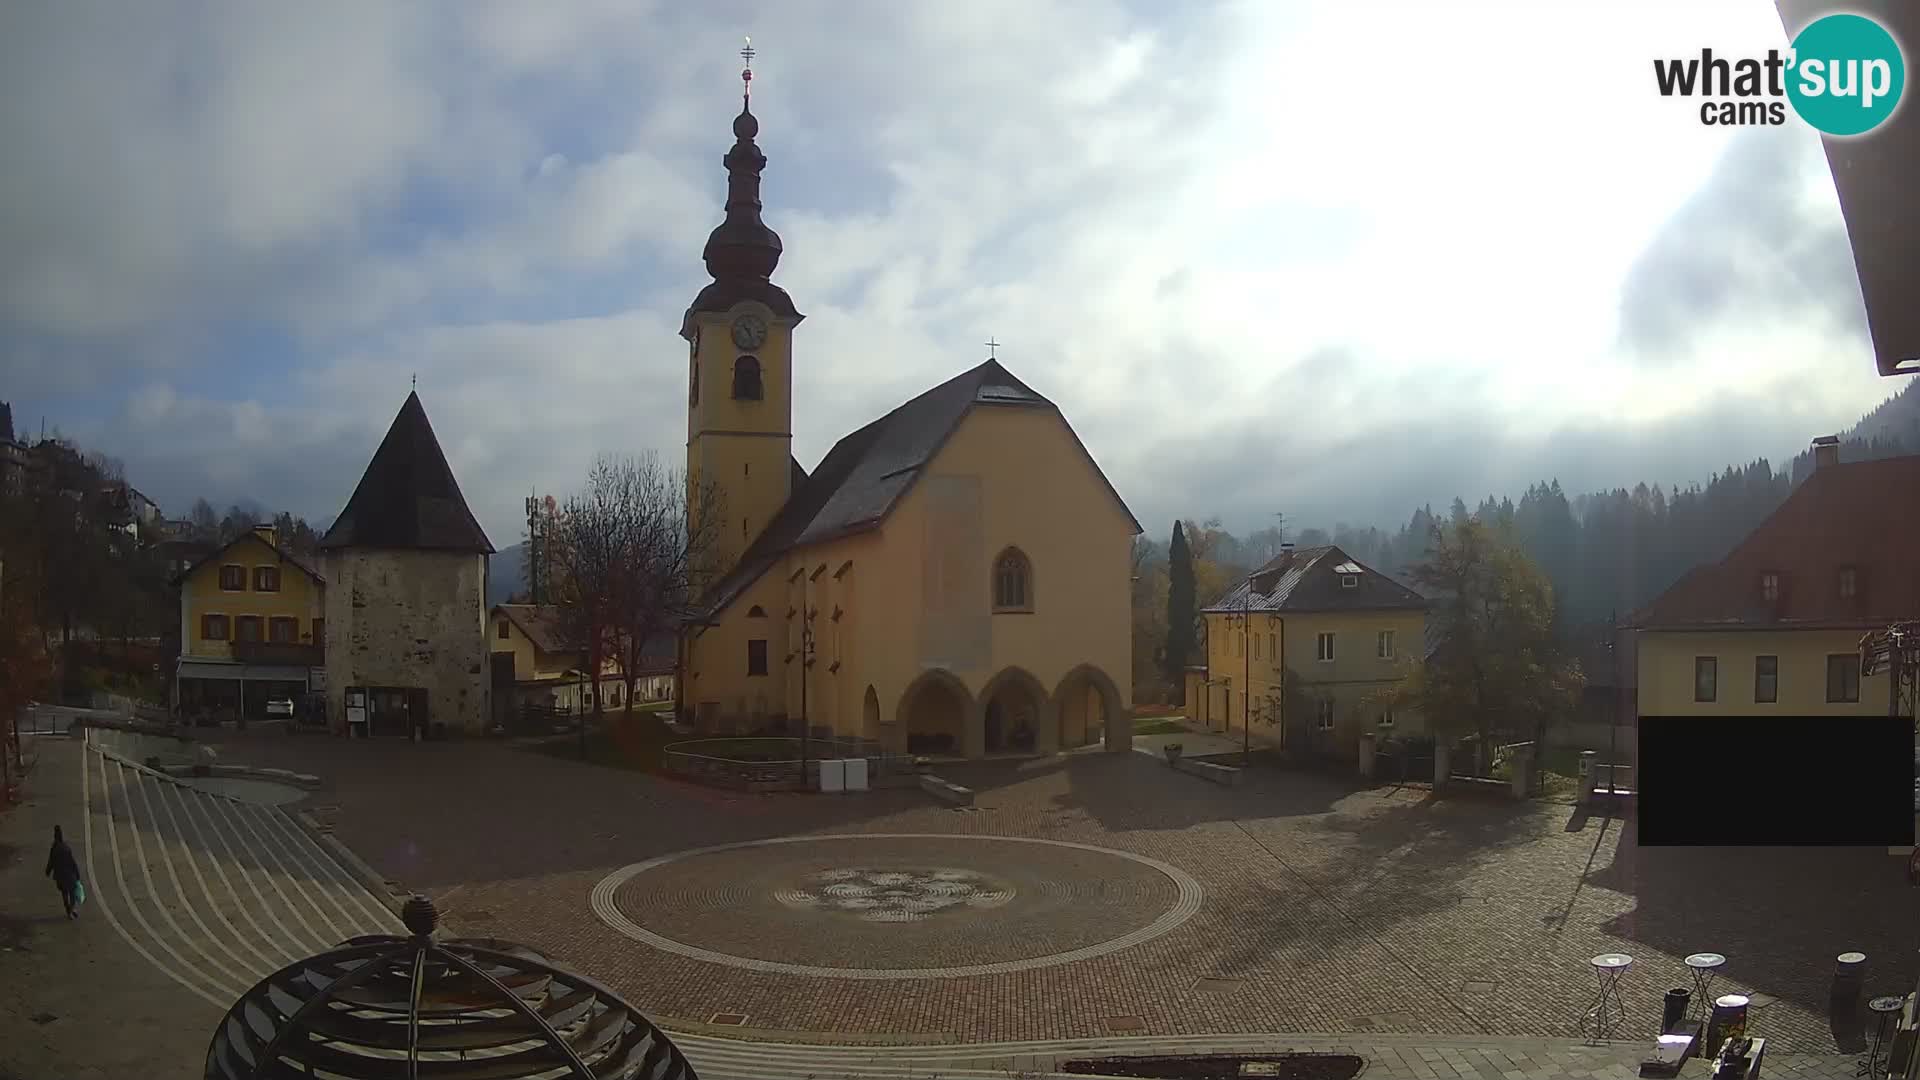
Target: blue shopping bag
79 893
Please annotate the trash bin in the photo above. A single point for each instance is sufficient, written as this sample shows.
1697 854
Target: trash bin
1728 1021
1674 1009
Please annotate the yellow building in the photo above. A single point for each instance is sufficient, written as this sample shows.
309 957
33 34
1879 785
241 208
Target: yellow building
951 578
1775 627
252 628
1346 633
533 658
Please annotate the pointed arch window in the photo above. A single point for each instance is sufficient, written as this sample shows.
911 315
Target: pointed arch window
1012 581
746 379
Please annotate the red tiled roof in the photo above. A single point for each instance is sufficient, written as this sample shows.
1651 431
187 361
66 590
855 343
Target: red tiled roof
1864 515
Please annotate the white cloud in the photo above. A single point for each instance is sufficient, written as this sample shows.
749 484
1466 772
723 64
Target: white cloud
1244 239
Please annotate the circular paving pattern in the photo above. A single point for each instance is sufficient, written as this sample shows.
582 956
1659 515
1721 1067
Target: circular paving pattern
896 906
896 895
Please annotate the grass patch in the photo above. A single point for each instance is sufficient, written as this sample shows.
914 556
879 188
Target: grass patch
1160 726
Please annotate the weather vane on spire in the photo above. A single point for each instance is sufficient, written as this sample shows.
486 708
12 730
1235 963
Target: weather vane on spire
746 73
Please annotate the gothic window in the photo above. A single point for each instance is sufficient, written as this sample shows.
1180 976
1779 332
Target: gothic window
1012 582
746 379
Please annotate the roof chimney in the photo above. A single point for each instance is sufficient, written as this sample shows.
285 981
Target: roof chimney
1826 451
266 532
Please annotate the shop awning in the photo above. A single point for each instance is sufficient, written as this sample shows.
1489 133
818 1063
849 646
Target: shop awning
206 669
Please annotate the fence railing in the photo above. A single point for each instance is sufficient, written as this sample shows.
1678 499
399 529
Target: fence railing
775 761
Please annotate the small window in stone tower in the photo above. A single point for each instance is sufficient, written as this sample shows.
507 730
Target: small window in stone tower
746 379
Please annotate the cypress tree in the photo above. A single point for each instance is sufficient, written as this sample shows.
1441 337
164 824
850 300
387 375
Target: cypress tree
1180 612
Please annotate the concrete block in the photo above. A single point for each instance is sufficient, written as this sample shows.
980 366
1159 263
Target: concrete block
944 791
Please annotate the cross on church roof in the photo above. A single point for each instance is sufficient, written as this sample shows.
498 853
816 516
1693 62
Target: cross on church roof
746 73
991 346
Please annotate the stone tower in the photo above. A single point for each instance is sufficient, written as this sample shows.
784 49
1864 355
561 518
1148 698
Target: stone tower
406 570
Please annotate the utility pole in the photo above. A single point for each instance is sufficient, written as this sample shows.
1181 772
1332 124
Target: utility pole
1613 661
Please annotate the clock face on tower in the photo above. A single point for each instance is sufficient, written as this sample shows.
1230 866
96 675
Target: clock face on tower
749 331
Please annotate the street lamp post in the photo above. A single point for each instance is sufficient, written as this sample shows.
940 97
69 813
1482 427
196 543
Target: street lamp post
806 661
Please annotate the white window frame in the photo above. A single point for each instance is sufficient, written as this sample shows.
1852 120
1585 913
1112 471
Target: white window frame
1323 646
1383 644
1386 718
1349 581
1325 714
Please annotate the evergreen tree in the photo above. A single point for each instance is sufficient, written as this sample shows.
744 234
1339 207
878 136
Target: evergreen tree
1180 609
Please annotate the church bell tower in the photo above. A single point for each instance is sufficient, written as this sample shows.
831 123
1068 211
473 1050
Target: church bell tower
739 334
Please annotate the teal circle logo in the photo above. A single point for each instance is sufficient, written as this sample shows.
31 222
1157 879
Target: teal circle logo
1847 74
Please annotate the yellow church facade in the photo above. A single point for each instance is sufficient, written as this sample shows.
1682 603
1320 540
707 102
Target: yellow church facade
951 579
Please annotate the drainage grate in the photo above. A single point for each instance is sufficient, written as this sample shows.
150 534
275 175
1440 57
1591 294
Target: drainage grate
1760 1001
1216 985
1126 1023
1479 986
728 1019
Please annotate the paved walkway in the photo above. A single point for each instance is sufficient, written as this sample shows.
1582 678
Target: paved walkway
194 896
1194 742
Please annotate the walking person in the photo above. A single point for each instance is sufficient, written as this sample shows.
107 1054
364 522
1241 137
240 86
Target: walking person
64 869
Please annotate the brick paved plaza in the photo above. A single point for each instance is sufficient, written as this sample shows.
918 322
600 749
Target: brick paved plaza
1094 905
1325 908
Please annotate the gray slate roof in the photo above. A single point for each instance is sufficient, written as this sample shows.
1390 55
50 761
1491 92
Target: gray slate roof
863 477
408 497
1309 579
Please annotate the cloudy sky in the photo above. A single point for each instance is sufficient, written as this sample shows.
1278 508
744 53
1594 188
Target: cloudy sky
1328 259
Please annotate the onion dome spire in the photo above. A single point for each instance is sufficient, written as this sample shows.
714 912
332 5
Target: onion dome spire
743 247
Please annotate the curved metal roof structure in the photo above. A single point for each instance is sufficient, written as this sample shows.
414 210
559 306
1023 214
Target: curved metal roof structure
413 1008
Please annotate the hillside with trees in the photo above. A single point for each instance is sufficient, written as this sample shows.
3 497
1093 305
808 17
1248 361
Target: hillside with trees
1605 553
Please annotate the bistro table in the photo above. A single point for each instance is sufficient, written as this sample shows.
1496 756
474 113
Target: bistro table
1607 1009
1705 966
1877 1066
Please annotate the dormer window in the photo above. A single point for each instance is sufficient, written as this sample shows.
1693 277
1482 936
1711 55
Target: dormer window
1848 583
1770 587
746 379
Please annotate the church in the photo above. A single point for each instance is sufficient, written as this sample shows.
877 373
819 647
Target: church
953 579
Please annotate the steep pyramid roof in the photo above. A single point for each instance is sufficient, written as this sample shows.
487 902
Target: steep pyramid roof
408 497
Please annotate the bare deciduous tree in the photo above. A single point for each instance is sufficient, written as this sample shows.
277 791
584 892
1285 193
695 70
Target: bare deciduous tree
632 551
674 533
